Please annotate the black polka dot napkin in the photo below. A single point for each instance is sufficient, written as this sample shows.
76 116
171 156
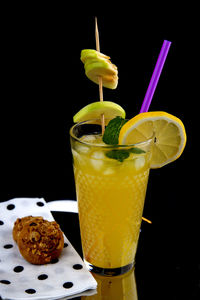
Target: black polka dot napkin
66 276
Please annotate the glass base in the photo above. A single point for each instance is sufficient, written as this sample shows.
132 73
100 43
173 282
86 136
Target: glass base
109 271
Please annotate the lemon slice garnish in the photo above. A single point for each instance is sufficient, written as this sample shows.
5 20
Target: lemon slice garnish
170 135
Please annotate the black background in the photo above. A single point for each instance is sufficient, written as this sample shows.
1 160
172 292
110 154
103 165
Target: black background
43 85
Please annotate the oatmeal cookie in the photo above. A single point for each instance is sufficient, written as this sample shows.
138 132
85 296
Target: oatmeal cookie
21 222
40 242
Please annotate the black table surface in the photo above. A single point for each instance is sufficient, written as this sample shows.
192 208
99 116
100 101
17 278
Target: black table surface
163 270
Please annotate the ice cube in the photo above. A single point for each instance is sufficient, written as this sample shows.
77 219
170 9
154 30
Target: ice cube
97 164
75 153
109 171
97 155
88 138
139 162
97 159
95 139
78 158
82 149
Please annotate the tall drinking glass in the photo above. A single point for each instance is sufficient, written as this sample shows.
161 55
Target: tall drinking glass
111 184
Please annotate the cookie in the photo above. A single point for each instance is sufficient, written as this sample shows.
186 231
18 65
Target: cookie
20 223
40 241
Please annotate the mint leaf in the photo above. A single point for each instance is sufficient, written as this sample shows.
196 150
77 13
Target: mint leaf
119 155
111 137
136 150
111 134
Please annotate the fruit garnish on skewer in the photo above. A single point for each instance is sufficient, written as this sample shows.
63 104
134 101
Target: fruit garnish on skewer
97 64
94 110
99 69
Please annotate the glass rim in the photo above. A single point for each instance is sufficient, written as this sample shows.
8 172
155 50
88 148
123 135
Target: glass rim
72 135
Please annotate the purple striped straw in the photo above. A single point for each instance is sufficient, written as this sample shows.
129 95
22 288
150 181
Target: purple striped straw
155 76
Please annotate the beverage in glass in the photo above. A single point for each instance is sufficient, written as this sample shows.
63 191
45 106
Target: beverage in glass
111 184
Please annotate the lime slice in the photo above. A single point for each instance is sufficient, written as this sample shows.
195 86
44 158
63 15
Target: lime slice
94 110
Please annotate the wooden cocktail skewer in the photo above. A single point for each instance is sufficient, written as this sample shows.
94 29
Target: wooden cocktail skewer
99 78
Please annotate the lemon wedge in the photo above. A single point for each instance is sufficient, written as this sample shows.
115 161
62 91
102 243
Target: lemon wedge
170 135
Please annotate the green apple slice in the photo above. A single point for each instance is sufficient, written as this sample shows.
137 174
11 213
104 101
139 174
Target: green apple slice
94 110
107 71
97 65
92 54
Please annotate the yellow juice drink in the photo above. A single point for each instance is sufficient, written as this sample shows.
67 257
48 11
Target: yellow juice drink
110 194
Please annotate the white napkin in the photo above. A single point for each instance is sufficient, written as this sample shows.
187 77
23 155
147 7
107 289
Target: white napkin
22 280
